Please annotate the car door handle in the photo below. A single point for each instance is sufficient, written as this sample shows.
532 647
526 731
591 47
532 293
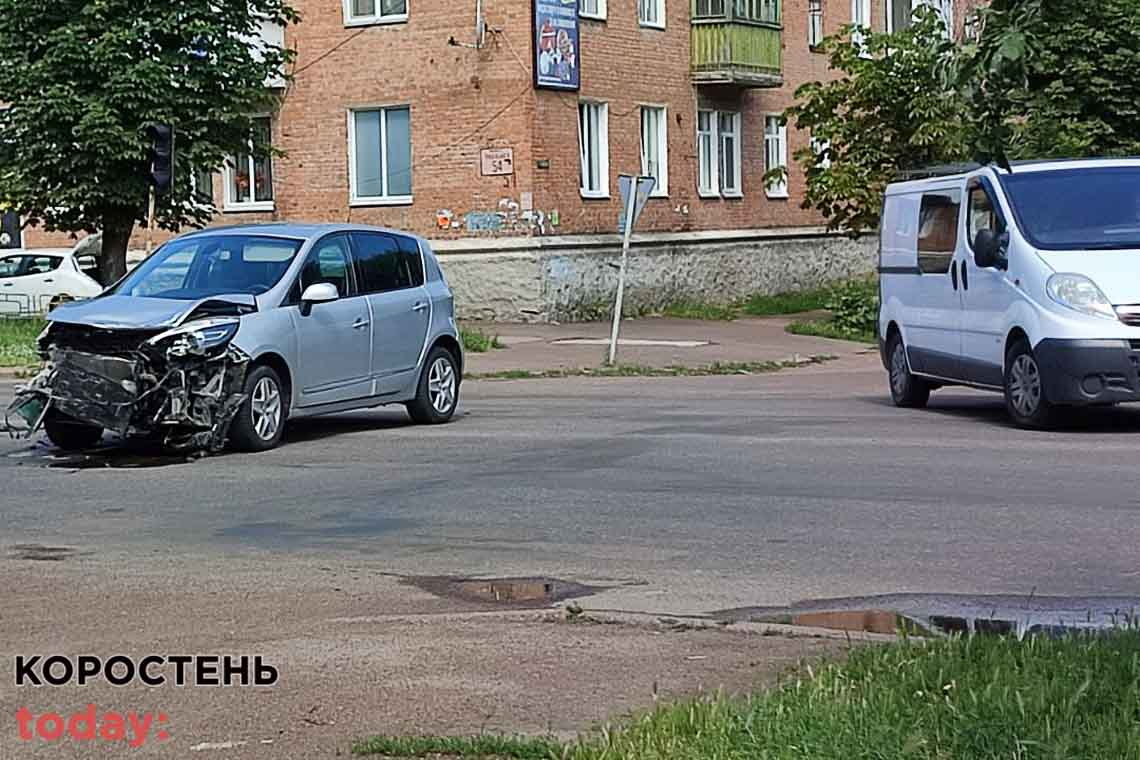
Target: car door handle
420 306
49 280
360 324
954 274
965 278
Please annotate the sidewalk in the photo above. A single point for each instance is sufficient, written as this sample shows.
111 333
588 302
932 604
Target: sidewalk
653 342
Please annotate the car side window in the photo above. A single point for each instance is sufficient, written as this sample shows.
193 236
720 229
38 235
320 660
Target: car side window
42 264
380 263
982 213
413 260
938 230
328 262
10 266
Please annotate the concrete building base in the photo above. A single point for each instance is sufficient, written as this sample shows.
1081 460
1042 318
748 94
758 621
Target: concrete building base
574 278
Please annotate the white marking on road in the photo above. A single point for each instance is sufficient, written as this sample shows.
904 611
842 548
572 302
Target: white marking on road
631 342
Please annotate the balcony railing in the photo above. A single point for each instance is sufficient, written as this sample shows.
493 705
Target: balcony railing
737 42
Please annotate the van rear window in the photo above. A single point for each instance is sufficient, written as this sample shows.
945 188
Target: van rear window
938 230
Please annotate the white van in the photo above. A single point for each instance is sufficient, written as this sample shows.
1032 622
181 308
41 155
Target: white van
1025 282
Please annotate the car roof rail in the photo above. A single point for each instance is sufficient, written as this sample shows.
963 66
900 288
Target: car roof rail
938 170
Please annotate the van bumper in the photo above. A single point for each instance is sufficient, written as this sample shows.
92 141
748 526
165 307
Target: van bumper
1082 372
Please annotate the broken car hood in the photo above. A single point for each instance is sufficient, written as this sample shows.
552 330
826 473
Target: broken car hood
133 312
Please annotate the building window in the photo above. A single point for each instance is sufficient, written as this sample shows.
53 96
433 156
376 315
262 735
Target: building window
764 11
900 13
380 148
655 148
815 23
709 9
592 9
651 13
718 154
593 146
776 154
861 18
202 186
361 12
822 148
249 177
728 126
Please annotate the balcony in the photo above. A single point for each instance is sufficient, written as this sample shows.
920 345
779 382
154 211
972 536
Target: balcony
737 42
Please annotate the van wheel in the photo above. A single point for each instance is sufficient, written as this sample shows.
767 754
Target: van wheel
907 391
260 420
69 433
437 393
1025 388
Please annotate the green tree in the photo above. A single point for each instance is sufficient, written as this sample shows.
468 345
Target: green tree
83 79
889 110
1052 79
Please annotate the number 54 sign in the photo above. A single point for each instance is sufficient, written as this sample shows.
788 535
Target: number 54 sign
497 161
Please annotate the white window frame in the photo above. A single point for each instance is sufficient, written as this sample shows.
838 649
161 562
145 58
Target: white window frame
738 167
228 203
661 189
603 157
600 15
815 24
775 149
375 18
817 147
384 199
861 15
945 8
713 157
659 10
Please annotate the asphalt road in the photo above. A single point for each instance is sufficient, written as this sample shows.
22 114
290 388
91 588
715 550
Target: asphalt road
684 494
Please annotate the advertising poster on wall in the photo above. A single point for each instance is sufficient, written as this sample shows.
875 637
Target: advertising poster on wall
556 64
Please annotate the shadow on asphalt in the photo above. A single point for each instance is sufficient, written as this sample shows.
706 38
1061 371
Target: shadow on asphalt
309 429
1123 419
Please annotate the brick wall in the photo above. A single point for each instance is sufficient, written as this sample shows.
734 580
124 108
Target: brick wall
463 100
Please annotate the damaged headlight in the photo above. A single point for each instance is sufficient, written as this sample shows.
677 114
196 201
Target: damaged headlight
200 338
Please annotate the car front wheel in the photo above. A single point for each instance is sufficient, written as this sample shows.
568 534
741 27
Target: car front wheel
69 433
1025 388
260 422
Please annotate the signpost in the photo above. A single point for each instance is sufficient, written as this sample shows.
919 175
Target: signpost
634 195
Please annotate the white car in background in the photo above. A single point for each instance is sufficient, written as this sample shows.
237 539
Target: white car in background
32 281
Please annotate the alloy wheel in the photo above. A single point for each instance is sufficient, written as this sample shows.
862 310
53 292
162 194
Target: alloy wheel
265 408
441 385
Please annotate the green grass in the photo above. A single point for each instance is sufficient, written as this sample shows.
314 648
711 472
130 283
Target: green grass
822 328
478 342
980 698
638 370
706 311
787 303
18 341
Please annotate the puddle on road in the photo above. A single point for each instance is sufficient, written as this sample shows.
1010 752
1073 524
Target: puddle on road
507 592
949 614
41 553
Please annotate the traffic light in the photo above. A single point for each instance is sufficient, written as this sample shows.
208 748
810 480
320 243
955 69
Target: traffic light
161 156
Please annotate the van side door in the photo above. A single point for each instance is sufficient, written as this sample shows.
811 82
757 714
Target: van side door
933 318
391 272
986 293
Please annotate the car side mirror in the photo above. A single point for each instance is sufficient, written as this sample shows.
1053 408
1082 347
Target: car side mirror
988 249
319 292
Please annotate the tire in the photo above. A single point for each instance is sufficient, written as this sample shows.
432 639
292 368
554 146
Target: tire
907 391
1025 389
260 421
69 433
437 394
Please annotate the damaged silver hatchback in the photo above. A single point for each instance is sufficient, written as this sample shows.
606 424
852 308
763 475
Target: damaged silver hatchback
224 334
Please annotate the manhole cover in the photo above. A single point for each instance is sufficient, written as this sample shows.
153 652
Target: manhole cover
509 592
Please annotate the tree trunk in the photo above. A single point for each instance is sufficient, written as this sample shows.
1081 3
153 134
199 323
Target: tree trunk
117 228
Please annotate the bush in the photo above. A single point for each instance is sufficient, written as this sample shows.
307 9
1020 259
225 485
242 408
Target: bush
854 306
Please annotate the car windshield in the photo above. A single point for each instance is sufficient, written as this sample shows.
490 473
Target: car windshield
1077 209
210 265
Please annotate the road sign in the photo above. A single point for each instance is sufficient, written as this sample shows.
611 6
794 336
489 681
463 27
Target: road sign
645 186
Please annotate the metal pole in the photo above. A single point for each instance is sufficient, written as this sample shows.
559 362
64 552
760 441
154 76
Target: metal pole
629 209
150 222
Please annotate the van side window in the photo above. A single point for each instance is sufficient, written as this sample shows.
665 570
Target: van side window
938 231
982 214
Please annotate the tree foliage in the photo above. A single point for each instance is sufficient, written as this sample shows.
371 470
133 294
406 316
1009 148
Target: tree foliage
83 79
889 111
1036 79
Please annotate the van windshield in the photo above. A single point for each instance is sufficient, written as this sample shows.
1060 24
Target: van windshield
203 266
1077 209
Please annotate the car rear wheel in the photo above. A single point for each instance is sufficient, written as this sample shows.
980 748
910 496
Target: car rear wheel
437 394
1025 388
260 422
69 433
907 390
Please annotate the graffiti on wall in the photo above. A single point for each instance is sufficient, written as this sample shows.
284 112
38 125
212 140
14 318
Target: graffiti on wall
509 217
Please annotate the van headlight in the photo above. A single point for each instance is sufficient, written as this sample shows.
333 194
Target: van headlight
1079 293
201 338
